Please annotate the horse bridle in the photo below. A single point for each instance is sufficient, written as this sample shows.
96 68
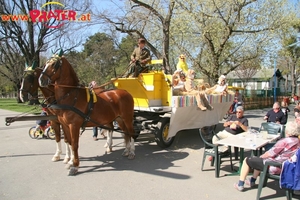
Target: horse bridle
31 78
57 65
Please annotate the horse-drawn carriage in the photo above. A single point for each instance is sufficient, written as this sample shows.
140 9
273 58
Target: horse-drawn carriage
158 111
145 103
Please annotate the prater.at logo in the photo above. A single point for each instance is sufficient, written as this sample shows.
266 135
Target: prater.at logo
55 18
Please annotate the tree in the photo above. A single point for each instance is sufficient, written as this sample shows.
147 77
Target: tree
23 36
291 61
99 58
247 70
217 35
139 17
222 33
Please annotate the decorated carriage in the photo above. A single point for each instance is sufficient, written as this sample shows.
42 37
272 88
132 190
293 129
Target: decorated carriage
145 103
159 111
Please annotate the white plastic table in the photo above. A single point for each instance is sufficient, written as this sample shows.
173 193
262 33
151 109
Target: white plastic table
247 140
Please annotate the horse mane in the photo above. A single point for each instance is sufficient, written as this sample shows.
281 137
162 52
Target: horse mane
72 71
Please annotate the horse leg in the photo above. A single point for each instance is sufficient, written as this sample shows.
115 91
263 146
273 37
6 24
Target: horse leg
128 141
68 153
67 140
74 131
69 162
132 149
109 143
129 147
56 128
56 156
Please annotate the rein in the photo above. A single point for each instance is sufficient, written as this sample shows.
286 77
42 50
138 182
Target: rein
85 116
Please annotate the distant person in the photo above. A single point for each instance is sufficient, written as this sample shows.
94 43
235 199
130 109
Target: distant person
297 110
285 109
139 58
276 115
42 123
280 152
295 98
92 85
238 100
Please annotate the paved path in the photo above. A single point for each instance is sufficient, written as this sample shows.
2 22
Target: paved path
26 170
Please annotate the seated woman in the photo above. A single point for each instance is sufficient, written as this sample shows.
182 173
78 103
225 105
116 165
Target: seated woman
220 88
280 152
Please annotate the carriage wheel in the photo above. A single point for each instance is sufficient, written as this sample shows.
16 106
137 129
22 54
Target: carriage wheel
162 133
51 133
33 132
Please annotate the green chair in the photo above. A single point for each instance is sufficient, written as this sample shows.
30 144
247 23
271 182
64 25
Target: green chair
271 128
265 175
206 134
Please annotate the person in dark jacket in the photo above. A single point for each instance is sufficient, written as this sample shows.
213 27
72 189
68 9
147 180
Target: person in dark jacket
276 115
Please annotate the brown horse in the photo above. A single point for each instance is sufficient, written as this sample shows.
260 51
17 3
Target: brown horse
73 107
30 86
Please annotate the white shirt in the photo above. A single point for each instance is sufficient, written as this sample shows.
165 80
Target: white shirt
220 88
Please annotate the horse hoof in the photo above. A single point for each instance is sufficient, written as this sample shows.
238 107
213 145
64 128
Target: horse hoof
55 158
131 156
68 166
108 150
66 160
73 171
125 154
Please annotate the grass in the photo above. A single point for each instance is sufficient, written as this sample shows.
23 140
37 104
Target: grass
13 105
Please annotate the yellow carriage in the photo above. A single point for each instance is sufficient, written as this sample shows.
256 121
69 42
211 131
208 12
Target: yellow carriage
160 112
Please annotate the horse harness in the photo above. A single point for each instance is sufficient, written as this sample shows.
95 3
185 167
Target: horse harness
86 117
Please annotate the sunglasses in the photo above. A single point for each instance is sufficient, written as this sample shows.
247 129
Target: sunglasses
239 112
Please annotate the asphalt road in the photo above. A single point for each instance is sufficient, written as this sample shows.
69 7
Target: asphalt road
27 172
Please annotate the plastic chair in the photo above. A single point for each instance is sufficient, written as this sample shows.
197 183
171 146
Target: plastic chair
264 175
271 128
206 134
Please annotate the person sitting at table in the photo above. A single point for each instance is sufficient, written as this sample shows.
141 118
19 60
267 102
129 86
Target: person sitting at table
276 115
281 151
235 124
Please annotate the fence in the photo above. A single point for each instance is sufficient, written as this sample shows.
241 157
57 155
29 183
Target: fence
262 102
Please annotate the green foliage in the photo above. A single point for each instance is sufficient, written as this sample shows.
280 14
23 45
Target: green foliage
101 54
